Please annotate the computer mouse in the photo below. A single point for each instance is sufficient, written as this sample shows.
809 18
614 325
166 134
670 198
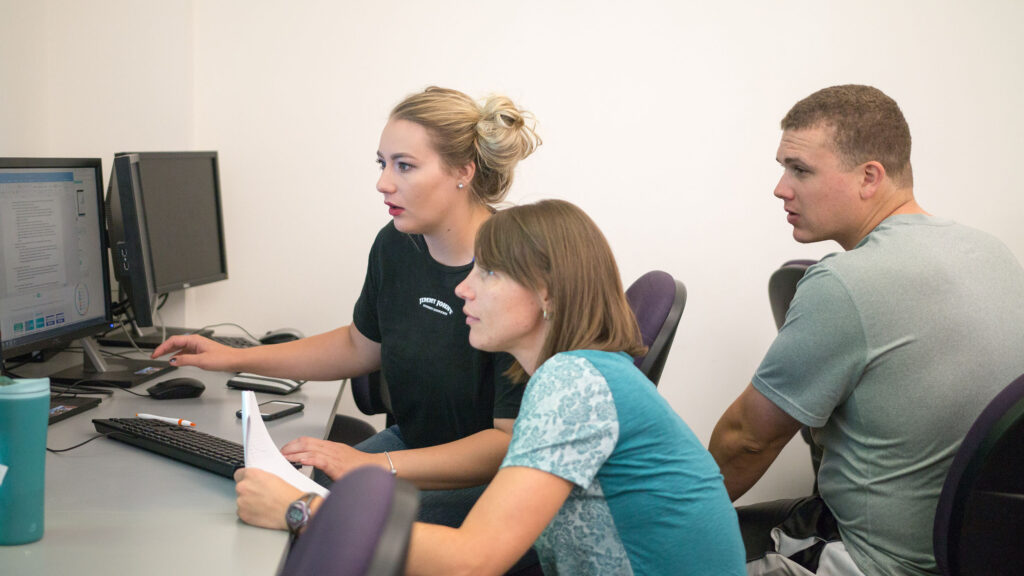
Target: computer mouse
280 335
175 388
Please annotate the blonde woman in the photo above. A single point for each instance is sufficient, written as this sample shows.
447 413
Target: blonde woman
445 161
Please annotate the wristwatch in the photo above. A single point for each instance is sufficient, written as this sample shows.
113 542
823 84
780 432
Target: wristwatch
297 514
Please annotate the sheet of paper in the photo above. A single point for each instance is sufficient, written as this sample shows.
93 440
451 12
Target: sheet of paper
262 453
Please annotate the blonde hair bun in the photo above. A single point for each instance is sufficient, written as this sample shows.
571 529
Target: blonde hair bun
494 136
504 136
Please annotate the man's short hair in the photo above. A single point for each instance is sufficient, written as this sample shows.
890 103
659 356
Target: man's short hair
867 125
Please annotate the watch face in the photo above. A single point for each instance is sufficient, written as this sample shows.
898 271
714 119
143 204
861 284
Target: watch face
296 516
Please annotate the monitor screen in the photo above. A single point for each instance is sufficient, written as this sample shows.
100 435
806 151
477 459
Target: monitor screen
181 199
53 253
178 197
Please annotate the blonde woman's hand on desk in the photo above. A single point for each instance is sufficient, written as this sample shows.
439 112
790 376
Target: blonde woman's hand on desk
194 350
334 458
263 498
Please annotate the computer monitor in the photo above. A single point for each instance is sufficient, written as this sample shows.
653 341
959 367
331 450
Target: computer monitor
166 232
54 286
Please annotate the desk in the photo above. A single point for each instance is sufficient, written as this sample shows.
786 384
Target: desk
112 508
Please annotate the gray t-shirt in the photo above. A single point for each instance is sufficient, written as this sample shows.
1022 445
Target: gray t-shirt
890 351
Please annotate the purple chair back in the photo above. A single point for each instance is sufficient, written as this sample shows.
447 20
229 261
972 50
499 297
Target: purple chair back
371 394
657 301
349 429
362 528
979 521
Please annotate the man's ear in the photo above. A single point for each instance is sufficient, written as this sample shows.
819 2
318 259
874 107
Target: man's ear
872 175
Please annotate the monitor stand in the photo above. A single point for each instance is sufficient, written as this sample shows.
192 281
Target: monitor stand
145 338
96 370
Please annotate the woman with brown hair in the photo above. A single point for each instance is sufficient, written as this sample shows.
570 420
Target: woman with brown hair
601 477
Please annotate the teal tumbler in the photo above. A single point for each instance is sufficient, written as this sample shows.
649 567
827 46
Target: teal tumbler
24 415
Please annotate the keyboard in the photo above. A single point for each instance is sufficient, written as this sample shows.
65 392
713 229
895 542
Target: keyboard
181 443
235 341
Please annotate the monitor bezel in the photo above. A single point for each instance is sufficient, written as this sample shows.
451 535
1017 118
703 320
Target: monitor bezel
141 158
130 261
61 338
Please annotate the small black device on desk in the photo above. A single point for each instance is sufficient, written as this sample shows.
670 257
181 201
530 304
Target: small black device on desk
257 383
62 406
274 409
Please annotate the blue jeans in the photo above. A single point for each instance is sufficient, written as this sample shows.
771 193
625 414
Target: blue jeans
448 507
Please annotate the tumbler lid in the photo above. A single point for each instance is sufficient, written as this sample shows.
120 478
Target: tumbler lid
24 386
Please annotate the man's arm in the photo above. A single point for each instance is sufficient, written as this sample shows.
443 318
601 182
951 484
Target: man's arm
748 438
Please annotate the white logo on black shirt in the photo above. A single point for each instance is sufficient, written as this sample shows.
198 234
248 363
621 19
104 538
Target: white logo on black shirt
435 305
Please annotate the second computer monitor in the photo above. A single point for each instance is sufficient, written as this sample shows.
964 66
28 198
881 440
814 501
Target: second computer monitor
166 225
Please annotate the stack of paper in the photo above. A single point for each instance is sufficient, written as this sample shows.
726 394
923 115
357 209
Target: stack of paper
262 453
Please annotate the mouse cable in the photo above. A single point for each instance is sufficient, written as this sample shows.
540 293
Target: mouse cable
239 326
158 319
74 390
59 450
121 355
128 335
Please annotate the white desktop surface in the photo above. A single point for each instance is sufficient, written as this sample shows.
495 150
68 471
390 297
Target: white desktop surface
113 508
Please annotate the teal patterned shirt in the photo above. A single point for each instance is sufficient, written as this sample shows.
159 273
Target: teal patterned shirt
647 496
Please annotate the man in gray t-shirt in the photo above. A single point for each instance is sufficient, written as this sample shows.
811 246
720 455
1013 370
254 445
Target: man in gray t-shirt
890 349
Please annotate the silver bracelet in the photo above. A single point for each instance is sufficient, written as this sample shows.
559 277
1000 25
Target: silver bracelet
391 464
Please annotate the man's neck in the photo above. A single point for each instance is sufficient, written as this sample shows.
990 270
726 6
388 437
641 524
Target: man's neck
900 201
909 207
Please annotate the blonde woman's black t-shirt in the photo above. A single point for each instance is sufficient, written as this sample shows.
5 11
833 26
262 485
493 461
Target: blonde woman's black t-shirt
441 388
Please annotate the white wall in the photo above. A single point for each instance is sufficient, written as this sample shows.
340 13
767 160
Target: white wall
659 118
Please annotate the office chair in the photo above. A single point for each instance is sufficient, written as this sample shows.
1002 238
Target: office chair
371 396
979 521
657 301
362 528
781 289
